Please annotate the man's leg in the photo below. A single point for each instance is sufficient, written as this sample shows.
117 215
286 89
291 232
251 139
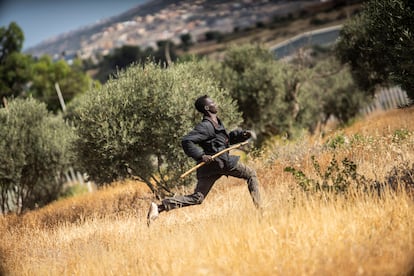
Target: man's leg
202 189
247 173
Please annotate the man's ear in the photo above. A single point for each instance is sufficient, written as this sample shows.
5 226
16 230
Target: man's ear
206 107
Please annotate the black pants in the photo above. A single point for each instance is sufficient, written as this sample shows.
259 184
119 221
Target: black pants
205 184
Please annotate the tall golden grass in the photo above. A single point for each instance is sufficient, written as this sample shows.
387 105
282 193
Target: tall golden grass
105 233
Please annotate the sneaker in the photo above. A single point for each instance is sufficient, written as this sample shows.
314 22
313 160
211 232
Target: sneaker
152 213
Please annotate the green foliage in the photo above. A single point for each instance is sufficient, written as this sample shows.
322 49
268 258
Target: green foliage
337 178
21 75
257 82
133 125
214 35
34 152
127 55
400 135
186 41
46 73
11 40
333 90
279 98
14 67
15 73
340 178
73 190
337 141
322 88
378 44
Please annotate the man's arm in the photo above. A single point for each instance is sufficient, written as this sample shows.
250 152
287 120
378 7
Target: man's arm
238 136
190 141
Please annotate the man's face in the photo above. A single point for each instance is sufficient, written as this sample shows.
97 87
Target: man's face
210 105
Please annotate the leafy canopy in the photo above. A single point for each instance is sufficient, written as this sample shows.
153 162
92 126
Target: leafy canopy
281 98
133 125
378 44
35 152
22 75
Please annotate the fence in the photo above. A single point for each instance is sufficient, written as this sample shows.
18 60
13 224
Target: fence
387 98
73 177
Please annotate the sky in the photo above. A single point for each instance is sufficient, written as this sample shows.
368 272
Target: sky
42 19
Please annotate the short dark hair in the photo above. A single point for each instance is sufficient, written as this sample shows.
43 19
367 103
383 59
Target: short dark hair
200 103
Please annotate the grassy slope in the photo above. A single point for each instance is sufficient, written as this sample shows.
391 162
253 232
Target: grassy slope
104 233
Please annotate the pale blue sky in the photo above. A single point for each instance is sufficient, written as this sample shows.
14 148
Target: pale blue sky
42 19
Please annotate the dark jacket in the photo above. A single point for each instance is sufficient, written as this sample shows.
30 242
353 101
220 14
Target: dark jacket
205 138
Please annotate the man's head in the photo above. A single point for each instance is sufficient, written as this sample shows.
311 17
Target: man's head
205 105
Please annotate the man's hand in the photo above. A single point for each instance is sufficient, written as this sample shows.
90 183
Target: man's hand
249 134
246 134
206 158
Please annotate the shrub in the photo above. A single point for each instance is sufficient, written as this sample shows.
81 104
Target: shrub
34 152
400 134
257 82
133 125
401 176
73 190
338 178
337 141
377 43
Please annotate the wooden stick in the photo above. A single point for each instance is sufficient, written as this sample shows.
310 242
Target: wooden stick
5 103
214 156
62 102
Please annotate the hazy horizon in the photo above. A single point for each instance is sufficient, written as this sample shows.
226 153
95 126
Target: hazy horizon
44 19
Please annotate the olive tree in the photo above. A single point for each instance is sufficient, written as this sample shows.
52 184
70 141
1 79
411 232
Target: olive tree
281 98
132 126
378 45
46 73
257 82
329 91
14 66
34 154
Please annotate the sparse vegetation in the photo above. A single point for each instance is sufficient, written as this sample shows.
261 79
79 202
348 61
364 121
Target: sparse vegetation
337 201
297 234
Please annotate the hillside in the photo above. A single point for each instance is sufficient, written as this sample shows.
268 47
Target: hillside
236 21
71 42
278 32
298 233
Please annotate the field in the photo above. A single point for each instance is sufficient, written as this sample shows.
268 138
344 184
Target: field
298 233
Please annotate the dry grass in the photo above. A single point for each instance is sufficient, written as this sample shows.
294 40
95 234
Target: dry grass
105 233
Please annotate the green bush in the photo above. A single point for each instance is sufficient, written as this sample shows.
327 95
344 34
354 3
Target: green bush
378 45
341 178
258 83
329 90
400 135
280 98
336 141
338 178
132 126
73 190
34 152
